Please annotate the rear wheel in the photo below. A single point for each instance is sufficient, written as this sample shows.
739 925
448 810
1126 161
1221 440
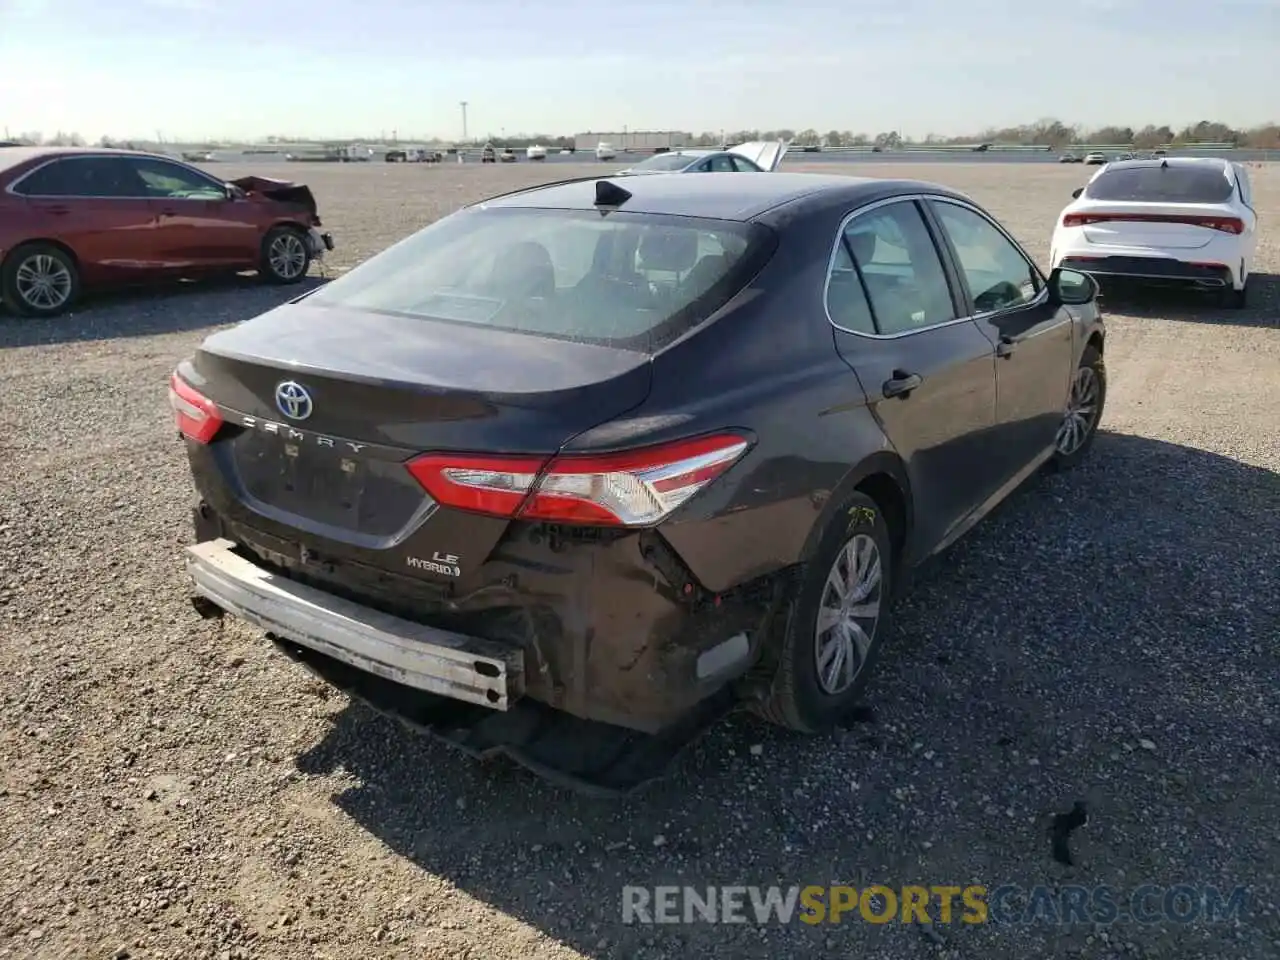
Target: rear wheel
1084 411
1234 299
832 629
285 255
39 280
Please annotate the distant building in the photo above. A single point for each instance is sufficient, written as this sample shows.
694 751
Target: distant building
634 141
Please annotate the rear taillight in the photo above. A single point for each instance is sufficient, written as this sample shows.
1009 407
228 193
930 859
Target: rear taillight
1225 224
632 489
196 414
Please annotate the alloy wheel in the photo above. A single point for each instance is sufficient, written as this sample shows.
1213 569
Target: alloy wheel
847 615
287 256
43 282
1082 412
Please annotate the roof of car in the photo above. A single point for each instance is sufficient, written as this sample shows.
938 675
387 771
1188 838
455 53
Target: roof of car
723 197
12 156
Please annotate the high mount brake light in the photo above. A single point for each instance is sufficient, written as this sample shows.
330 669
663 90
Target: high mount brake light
196 414
1233 225
635 488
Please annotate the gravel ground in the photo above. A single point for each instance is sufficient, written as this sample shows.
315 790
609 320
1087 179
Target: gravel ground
172 788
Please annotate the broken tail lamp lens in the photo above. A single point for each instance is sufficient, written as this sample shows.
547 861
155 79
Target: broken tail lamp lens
196 415
634 488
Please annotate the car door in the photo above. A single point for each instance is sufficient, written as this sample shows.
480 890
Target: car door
1034 337
199 226
928 372
84 202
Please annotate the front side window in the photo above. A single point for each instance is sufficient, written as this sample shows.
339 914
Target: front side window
161 179
626 280
893 254
998 275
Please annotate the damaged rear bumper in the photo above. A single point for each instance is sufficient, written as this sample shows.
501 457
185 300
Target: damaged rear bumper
412 654
608 632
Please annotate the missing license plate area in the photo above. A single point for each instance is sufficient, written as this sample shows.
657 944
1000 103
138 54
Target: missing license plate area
327 485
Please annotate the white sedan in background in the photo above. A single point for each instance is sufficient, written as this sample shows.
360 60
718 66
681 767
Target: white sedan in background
1185 221
756 156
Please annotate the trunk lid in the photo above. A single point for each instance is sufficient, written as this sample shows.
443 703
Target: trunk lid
324 406
1171 226
766 154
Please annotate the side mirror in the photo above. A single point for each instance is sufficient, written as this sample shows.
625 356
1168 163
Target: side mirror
1071 287
1075 194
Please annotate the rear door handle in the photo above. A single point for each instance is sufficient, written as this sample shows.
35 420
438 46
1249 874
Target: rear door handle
60 211
901 384
1005 347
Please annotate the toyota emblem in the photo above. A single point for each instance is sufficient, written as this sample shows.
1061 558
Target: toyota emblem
293 400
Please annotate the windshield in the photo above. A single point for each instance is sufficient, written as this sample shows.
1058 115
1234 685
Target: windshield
632 281
1176 183
665 161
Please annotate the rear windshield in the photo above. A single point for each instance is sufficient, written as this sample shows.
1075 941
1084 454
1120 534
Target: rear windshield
664 161
632 281
1176 183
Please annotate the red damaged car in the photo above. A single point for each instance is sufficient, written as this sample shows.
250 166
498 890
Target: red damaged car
73 218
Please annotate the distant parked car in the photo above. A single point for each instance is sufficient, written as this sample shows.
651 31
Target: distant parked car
1184 221
507 155
605 151
1068 158
759 156
488 154
1093 159
535 152
72 218
608 447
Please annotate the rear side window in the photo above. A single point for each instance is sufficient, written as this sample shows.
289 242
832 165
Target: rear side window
632 281
81 177
894 256
1176 183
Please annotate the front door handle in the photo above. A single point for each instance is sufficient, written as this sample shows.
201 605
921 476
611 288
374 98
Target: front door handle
1005 347
901 384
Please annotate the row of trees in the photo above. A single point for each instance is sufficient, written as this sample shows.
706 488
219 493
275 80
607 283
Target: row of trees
1048 132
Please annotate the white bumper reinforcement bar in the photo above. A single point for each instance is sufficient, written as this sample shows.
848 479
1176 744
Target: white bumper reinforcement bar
437 661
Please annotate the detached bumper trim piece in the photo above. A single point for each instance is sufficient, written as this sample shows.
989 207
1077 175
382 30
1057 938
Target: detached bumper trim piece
412 654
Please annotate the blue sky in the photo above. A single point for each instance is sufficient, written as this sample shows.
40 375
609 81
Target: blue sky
337 68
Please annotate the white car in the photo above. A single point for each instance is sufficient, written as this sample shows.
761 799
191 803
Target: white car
605 151
758 156
1186 221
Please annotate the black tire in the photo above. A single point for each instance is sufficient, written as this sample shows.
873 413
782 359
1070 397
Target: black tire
285 256
1234 299
1064 458
796 698
15 292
